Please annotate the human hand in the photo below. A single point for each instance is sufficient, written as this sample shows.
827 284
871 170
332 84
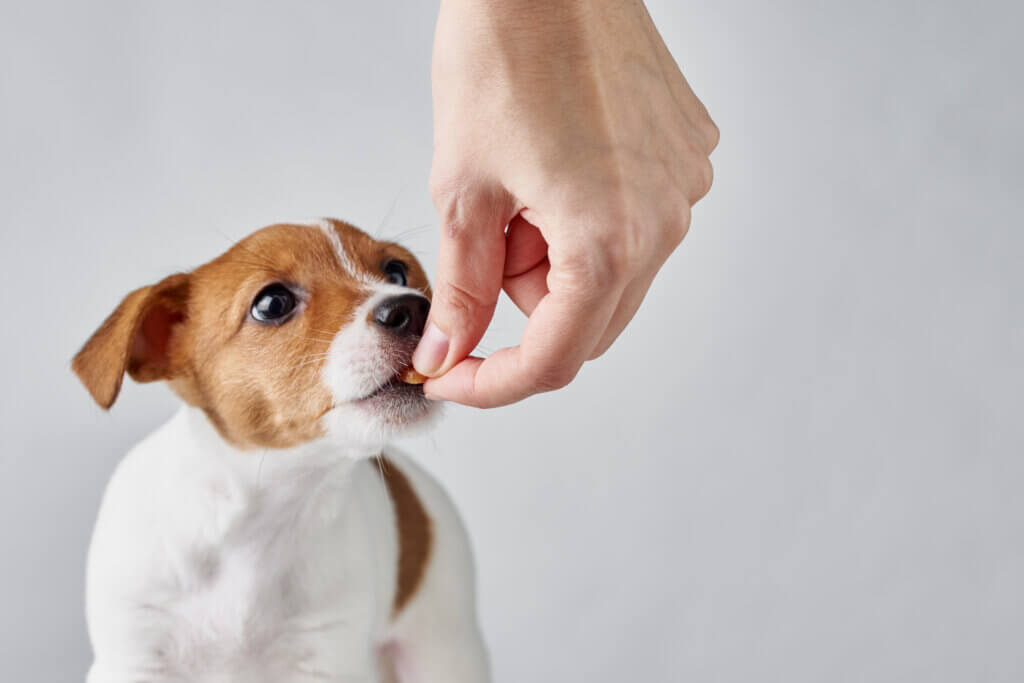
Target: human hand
569 122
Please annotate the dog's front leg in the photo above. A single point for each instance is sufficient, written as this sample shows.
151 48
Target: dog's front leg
318 677
130 650
455 659
100 673
303 675
309 652
310 673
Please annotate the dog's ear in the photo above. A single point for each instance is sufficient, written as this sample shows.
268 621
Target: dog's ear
135 338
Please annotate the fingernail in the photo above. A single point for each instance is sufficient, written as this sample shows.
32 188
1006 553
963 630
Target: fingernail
431 351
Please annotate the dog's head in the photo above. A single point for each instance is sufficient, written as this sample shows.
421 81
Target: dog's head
295 333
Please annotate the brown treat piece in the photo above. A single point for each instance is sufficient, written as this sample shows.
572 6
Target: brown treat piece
410 376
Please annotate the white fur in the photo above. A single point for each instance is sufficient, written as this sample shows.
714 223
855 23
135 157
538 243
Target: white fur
346 262
354 368
211 564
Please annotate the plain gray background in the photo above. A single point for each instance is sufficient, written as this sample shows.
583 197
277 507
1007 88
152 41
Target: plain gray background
803 462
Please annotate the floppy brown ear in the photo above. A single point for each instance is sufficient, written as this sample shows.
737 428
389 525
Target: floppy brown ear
136 337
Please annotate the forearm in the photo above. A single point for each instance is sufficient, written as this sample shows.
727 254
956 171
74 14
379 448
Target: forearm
543 20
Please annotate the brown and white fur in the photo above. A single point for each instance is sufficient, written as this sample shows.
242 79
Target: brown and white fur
261 535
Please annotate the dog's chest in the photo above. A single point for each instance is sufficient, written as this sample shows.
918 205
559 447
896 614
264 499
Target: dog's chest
265 576
240 596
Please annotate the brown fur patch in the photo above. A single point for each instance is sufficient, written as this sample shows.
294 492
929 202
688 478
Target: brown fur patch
415 531
134 338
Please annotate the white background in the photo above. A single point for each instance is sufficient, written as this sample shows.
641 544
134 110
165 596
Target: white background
803 462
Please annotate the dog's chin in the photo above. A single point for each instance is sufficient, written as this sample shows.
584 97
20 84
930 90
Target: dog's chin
396 404
395 408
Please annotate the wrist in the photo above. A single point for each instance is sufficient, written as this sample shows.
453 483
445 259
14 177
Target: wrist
529 16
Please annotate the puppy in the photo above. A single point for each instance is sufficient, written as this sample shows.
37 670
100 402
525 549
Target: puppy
261 535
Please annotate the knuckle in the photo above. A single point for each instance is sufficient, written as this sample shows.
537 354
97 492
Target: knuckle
611 257
679 226
463 202
706 127
633 247
444 179
620 251
457 301
553 376
642 244
595 268
704 175
452 212
450 197
712 134
600 349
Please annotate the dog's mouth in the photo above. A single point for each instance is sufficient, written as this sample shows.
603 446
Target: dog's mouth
395 402
393 387
399 354
384 401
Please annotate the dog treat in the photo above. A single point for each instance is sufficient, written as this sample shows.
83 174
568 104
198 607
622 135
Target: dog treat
410 376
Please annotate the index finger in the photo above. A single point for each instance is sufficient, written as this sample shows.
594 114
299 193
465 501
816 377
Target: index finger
559 336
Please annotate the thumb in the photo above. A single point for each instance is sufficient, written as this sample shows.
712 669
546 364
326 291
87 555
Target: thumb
470 263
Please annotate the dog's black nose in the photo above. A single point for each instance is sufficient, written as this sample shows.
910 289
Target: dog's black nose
403 315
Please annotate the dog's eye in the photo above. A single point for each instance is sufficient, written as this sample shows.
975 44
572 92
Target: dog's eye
274 304
397 272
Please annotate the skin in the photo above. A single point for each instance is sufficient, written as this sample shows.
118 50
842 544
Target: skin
569 122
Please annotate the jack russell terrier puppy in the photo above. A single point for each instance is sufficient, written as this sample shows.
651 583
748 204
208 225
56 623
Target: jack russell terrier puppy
261 536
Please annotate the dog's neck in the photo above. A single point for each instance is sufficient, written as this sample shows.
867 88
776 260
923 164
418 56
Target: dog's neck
195 442
227 493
